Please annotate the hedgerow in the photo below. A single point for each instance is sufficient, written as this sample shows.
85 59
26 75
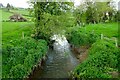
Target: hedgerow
21 56
101 61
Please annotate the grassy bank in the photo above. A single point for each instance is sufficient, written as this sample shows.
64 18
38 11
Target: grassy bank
20 54
102 54
90 33
102 61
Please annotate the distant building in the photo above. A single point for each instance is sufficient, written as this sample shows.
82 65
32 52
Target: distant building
17 18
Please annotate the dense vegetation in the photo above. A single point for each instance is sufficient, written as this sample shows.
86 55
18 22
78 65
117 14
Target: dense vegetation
92 24
81 36
20 57
20 53
103 54
52 18
101 62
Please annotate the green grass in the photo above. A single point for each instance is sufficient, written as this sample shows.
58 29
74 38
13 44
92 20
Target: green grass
23 12
107 29
14 30
5 14
20 11
90 33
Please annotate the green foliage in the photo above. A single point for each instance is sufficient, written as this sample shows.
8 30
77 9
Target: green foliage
80 15
51 18
53 24
117 16
102 59
94 12
105 47
80 38
21 55
8 6
17 71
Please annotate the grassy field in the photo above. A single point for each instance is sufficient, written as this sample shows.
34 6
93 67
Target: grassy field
5 14
14 30
107 29
21 11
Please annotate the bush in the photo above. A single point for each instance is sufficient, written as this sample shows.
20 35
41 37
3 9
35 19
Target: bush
20 56
79 38
18 71
102 57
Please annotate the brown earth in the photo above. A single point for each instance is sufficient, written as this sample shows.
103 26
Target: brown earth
81 53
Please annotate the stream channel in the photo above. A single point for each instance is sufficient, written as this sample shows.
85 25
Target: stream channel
60 60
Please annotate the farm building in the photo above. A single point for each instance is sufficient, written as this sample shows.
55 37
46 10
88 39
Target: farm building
17 18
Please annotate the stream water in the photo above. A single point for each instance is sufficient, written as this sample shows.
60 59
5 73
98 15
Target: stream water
60 61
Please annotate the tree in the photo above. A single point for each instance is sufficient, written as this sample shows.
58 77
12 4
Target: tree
51 18
117 16
104 8
8 6
94 12
80 15
91 13
1 5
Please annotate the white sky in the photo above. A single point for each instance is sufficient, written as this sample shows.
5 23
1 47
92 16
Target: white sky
16 3
24 4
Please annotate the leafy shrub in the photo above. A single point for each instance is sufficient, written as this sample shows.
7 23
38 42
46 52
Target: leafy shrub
80 38
26 51
102 57
17 71
29 61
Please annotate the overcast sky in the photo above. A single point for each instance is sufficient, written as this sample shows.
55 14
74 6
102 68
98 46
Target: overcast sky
16 3
24 4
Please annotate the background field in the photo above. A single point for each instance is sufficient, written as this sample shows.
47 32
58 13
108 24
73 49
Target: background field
107 29
6 14
14 30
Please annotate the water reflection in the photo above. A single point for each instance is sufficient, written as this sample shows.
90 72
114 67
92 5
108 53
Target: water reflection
60 61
